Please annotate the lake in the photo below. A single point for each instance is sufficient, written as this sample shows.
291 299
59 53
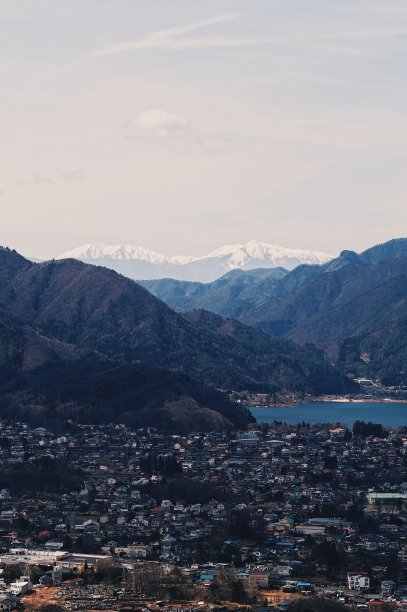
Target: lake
387 413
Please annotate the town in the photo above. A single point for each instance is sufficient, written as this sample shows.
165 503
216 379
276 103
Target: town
106 517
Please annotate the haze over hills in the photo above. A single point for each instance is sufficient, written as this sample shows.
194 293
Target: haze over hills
230 295
140 263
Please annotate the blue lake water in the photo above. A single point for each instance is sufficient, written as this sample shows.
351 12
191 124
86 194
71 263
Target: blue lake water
387 413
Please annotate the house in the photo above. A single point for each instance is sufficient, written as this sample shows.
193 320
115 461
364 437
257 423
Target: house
8 603
311 530
358 581
259 579
21 586
166 504
388 587
54 545
284 570
6 518
46 580
206 579
91 527
139 551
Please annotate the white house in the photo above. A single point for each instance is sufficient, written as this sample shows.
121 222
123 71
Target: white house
21 586
358 581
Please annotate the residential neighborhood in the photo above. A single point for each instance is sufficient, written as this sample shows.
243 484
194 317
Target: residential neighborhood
277 512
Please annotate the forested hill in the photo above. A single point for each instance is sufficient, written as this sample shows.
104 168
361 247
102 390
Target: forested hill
46 381
91 391
96 309
352 307
229 295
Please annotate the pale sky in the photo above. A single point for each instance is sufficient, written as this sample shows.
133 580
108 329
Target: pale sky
184 125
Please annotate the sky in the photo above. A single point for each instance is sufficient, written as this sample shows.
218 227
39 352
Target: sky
182 126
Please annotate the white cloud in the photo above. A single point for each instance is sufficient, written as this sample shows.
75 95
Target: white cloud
158 123
171 38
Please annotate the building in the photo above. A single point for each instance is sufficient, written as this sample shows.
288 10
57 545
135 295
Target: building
377 498
358 581
21 586
259 579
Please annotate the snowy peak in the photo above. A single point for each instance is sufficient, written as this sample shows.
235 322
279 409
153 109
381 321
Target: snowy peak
242 255
100 250
141 263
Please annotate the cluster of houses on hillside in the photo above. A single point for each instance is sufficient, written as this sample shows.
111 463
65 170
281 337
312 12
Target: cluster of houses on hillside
299 508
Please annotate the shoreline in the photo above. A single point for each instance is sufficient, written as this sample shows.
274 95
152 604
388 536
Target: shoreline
336 400
347 400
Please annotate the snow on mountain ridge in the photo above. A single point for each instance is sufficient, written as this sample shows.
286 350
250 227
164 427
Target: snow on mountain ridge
100 250
240 254
141 263
248 250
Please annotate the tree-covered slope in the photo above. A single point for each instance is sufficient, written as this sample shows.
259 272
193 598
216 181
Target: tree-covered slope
387 250
334 305
44 380
97 309
89 391
23 348
286 364
380 354
343 306
229 295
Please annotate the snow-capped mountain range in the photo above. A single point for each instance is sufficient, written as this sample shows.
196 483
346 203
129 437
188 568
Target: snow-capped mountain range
140 263
99 250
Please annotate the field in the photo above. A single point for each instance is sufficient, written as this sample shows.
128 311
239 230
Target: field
40 597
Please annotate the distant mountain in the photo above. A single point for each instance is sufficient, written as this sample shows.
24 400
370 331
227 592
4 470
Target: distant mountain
353 311
229 295
239 293
387 250
355 296
96 309
338 303
140 263
122 252
236 294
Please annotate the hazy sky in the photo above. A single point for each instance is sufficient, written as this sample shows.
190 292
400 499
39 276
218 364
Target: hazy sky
183 125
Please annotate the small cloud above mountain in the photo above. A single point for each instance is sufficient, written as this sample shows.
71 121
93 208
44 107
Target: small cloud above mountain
158 123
